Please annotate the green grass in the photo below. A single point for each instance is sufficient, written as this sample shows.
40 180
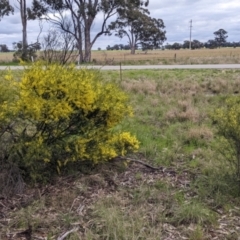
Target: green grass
9 64
195 197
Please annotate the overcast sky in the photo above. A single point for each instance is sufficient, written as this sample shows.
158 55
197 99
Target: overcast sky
207 17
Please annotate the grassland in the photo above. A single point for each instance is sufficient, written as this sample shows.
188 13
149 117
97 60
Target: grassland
193 195
201 56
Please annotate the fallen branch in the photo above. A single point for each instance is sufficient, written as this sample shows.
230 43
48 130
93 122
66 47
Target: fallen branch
67 233
148 165
143 163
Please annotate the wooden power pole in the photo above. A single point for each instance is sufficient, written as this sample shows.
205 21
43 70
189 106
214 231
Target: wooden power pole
190 42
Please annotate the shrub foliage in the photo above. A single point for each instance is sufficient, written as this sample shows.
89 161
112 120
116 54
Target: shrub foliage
227 121
60 115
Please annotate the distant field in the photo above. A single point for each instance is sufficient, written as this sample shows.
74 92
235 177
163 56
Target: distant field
222 55
6 57
202 56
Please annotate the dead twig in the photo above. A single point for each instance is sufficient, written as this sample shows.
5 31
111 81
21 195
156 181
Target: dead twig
67 233
162 169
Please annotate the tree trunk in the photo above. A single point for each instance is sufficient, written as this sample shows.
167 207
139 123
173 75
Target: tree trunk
80 51
133 50
23 12
24 41
80 57
88 45
132 41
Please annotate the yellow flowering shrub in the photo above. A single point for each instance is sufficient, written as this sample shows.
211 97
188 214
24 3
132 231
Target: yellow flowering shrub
227 120
8 95
64 115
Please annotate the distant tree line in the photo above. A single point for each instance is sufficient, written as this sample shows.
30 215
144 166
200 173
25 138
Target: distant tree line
195 44
220 40
4 48
120 47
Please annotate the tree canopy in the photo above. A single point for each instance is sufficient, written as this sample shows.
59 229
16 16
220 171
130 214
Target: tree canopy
220 37
5 8
140 29
77 18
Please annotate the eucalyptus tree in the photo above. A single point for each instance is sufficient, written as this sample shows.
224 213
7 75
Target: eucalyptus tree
78 17
135 23
220 37
21 5
6 8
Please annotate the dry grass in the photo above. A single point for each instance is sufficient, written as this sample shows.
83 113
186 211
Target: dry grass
190 114
222 55
200 56
6 57
142 86
200 133
184 111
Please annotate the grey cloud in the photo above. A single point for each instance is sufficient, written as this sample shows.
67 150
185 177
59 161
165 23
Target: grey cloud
207 16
